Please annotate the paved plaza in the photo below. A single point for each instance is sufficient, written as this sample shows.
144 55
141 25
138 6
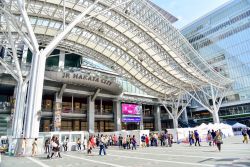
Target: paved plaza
234 153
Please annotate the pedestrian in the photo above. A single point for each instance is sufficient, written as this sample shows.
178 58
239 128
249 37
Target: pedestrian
218 140
102 146
165 138
143 139
170 140
46 146
152 139
90 146
155 139
120 141
244 134
197 137
79 144
248 132
85 142
55 147
191 138
52 147
110 140
106 142
65 144
115 140
133 142
162 139
213 136
209 138
34 147
24 144
128 141
58 147
147 140
124 142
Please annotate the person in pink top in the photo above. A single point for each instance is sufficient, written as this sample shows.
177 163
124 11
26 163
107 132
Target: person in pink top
115 139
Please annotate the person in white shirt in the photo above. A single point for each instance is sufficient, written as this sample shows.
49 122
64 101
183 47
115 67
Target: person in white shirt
102 146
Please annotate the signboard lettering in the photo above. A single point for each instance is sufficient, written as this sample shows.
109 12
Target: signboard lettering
86 77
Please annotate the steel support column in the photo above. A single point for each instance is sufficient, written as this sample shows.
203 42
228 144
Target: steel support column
157 118
61 60
17 126
117 115
91 115
215 112
34 98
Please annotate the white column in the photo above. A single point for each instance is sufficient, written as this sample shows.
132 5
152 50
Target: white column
117 115
141 122
216 117
184 114
34 98
61 59
17 125
25 54
157 117
91 115
175 123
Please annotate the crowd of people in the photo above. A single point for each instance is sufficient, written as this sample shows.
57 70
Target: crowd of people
52 146
213 138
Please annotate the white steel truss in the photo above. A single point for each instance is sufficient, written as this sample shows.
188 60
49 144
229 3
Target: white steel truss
132 37
136 47
210 98
177 105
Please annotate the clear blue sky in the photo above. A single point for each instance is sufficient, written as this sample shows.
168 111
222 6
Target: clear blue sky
188 10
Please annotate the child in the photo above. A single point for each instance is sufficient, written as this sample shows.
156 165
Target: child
170 140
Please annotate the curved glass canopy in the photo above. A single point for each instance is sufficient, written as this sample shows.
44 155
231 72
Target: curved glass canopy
136 40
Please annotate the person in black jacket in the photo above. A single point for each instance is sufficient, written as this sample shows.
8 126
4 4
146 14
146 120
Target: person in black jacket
56 148
248 132
213 136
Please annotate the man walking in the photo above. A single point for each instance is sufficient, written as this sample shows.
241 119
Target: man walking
197 138
102 146
120 141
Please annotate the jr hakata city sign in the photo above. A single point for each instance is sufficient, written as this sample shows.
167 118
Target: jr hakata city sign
86 77
90 80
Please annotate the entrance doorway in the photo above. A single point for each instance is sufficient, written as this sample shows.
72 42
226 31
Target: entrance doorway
131 126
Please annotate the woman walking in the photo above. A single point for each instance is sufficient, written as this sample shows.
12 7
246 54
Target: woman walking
218 140
34 147
209 138
79 144
90 146
133 142
24 143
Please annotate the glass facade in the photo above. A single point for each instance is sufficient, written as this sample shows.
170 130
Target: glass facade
222 38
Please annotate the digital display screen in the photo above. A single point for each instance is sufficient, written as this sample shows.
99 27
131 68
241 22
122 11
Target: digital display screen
131 109
131 112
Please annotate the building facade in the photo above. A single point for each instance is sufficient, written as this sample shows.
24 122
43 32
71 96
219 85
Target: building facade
74 110
222 37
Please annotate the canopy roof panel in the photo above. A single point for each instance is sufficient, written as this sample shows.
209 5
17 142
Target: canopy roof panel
136 39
